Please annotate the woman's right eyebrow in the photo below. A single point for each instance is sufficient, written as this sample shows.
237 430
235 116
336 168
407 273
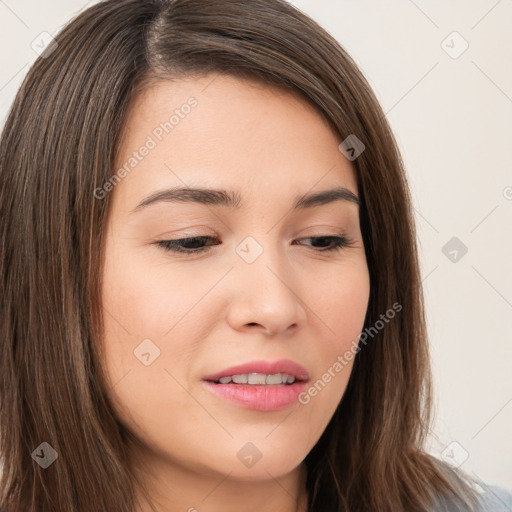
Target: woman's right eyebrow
233 200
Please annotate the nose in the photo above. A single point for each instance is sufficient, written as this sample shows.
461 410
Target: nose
266 296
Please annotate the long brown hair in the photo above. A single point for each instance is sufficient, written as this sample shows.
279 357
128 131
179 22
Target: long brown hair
59 145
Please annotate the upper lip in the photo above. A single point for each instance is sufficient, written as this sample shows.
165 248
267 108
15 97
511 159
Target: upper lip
265 367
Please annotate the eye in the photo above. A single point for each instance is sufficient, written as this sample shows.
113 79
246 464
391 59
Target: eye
334 243
194 245
186 245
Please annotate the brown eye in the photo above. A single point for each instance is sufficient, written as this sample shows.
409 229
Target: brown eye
197 244
330 243
186 245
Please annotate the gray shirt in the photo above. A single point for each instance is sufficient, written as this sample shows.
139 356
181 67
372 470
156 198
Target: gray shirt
496 499
492 498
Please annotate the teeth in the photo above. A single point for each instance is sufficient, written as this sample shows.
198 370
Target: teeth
256 378
239 379
259 379
273 379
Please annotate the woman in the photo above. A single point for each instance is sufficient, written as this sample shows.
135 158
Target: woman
211 294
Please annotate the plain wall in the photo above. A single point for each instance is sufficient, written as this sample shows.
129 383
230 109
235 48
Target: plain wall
451 112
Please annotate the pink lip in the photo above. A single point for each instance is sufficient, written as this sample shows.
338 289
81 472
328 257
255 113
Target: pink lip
266 367
264 397
259 398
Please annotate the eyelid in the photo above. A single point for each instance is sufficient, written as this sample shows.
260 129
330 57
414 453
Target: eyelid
340 241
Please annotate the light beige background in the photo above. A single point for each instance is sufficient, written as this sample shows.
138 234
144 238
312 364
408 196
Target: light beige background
452 117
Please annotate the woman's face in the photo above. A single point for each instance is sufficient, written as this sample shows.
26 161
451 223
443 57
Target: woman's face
262 289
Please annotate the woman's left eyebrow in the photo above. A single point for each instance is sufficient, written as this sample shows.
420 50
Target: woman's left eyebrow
233 200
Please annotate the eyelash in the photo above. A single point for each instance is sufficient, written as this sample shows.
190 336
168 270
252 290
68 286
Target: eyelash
339 242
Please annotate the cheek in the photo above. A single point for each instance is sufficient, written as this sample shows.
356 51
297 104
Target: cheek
139 308
340 306
342 303
143 314
154 314
150 299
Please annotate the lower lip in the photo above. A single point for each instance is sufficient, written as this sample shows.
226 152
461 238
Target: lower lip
259 398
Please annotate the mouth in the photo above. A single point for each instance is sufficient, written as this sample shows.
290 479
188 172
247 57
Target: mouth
259 385
261 373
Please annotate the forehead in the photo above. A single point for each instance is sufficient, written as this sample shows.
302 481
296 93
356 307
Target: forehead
224 132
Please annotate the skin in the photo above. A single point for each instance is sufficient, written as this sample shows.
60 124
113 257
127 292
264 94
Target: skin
213 310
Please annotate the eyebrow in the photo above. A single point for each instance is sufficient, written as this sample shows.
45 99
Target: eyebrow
232 200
